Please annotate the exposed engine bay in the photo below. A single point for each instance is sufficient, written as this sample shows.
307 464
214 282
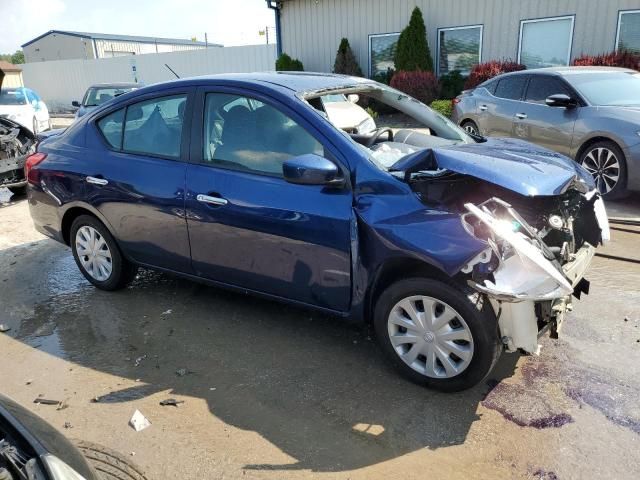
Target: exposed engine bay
16 462
16 143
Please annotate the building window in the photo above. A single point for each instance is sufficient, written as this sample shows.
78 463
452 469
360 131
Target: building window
459 48
545 42
382 50
628 37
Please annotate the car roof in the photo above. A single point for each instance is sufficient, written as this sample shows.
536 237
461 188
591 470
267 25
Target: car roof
292 82
117 85
564 71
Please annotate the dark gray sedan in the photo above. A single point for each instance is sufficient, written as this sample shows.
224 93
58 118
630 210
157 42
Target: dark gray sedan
591 114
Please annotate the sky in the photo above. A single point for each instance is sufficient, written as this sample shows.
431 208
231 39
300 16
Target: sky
230 22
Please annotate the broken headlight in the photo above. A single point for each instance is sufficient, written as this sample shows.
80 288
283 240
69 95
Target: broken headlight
526 268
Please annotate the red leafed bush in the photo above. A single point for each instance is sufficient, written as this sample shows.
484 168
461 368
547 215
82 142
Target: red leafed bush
623 59
484 71
421 85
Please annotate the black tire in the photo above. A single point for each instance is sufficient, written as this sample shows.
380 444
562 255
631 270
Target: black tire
477 313
18 191
122 271
109 464
470 124
619 190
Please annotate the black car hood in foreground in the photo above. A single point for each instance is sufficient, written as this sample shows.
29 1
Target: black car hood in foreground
513 164
41 436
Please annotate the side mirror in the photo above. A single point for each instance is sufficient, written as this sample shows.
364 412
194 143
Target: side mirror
353 98
311 169
561 100
75 103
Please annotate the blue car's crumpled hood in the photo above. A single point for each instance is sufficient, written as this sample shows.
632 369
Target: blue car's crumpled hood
513 164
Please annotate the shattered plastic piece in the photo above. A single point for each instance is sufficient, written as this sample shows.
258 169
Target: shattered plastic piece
62 406
28 382
4 328
138 421
181 372
139 360
45 401
171 402
168 312
68 425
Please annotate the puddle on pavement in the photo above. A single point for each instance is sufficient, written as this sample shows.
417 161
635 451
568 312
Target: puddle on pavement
551 385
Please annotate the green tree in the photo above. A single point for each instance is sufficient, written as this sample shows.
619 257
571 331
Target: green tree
413 49
284 63
346 63
17 57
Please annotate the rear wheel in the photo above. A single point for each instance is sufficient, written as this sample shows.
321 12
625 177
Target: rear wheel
606 162
97 255
437 335
470 127
109 464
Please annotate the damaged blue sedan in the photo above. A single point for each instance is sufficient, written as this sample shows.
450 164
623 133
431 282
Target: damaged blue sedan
453 247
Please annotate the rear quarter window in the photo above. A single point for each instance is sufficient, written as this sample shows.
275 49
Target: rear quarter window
111 128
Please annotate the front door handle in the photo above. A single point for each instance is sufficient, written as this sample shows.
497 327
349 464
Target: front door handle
218 201
483 108
97 181
521 116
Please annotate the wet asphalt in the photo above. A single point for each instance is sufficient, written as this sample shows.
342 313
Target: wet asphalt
272 391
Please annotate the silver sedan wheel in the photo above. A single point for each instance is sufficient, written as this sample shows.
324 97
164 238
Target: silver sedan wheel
604 165
430 337
470 128
94 253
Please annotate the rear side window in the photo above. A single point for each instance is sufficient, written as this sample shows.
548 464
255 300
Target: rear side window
490 86
154 127
511 87
540 87
111 128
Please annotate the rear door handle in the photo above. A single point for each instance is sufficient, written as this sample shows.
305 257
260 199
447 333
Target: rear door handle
521 116
218 201
483 108
97 181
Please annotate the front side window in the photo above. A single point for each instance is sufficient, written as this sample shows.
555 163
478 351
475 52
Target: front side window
511 87
629 31
111 128
459 49
545 42
154 126
252 136
382 51
542 86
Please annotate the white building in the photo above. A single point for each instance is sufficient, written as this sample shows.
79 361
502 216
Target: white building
65 45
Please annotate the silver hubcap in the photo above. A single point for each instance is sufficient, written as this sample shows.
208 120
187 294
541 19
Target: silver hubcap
469 128
603 164
94 253
430 337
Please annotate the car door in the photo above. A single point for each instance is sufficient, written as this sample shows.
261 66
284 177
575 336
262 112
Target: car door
135 177
250 228
535 121
500 112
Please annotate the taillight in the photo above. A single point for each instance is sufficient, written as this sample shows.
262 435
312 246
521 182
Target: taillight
32 161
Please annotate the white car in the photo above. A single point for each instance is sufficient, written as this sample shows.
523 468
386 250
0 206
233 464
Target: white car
24 106
343 112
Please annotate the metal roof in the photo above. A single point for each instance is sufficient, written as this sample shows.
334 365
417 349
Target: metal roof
122 38
9 67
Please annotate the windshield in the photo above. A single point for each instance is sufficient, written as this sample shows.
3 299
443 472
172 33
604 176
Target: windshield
390 124
98 96
12 96
608 88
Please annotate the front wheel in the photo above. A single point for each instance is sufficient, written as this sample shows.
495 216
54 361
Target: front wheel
97 255
438 335
605 161
109 464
